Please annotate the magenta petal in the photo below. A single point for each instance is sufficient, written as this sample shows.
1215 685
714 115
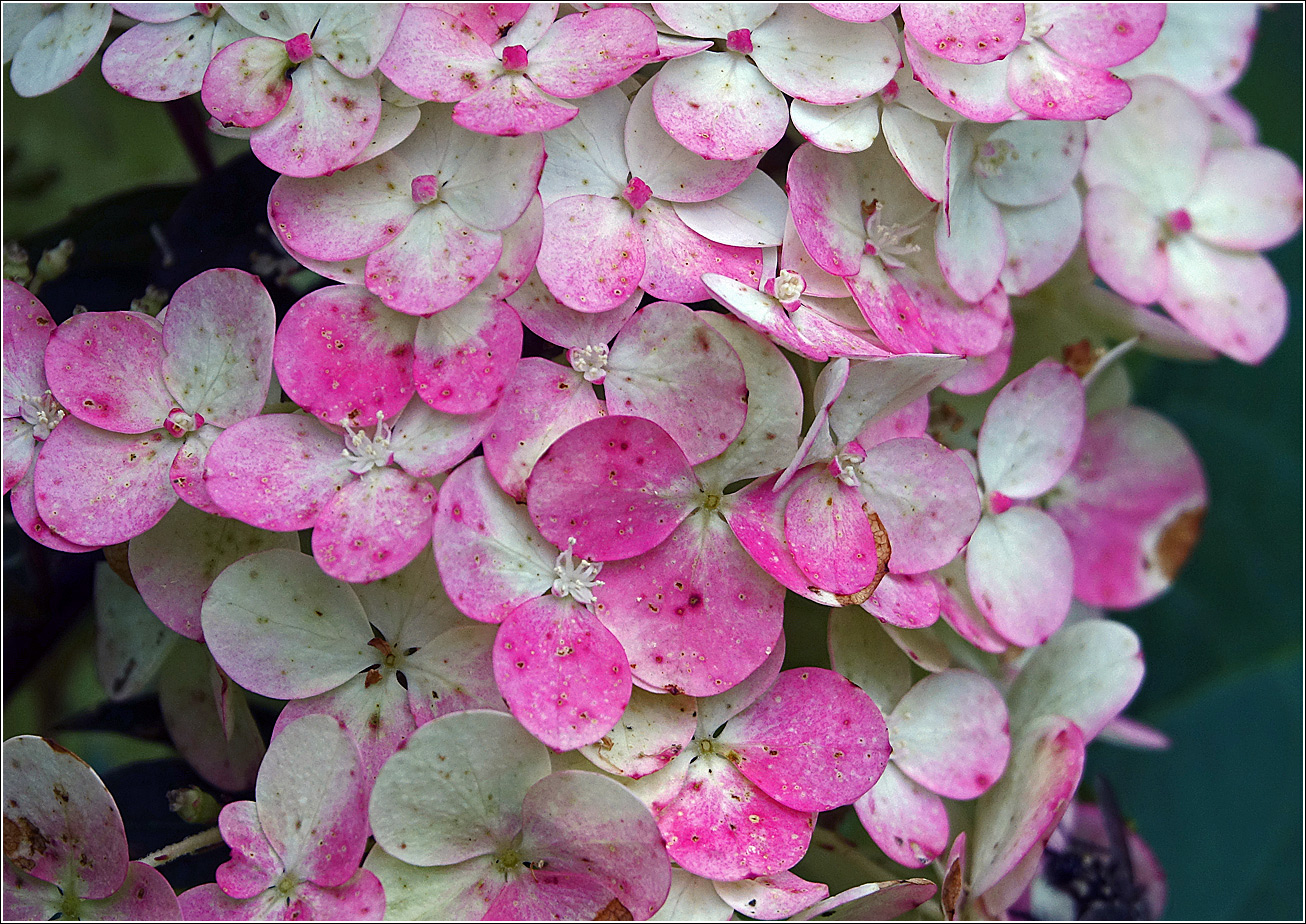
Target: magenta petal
96 488
27 329
254 865
276 471
187 469
360 899
695 614
974 33
344 356
346 214
906 601
829 224
591 51
950 733
374 526
209 903
511 105
1048 86
106 368
926 498
22 501
542 401
675 257
618 485
1105 34
547 895
813 741
466 354
672 368
977 91
721 826
592 257
245 83
564 675
906 820
837 540
143 896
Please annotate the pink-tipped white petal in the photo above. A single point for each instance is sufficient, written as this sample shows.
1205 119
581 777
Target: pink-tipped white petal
906 820
1021 574
1032 431
719 106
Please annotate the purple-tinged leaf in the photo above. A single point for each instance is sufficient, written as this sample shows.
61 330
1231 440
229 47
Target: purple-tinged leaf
466 354
94 487
455 791
107 369
950 734
590 825
61 824
695 615
813 741
343 355
618 485
282 628
652 730
907 821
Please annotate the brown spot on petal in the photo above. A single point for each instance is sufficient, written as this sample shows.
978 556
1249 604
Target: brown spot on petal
24 842
1177 541
614 911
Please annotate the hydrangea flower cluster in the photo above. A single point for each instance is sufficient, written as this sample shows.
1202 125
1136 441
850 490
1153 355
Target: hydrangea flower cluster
632 333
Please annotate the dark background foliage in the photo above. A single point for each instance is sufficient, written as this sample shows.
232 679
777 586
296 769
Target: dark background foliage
1222 807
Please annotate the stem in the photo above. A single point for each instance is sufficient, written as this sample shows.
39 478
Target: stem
188 119
193 844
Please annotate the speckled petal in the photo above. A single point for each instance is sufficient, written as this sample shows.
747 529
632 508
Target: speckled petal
107 368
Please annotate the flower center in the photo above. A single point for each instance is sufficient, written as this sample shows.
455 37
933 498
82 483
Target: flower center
890 91
300 48
1176 223
575 579
992 157
999 503
42 412
208 9
846 465
364 453
740 40
591 362
286 884
637 193
179 423
787 288
889 240
514 58
426 189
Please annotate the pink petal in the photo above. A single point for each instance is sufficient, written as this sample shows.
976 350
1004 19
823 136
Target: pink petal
1104 34
672 171
694 615
1048 86
926 499
311 802
676 257
828 221
361 898
856 12
107 368
837 540
143 896
62 823
652 730
549 895
246 84
1124 244
907 821
1032 431
962 614
453 673
544 315
974 33
22 501
874 901
435 55
276 471
1249 199
160 61
1040 240
543 400
619 485
771 898
491 557
672 368
254 865
591 51
905 600
719 825
328 119
814 740
719 106
428 442
433 263
345 215
977 91
57 47
374 526
1233 301
950 734
511 105
97 488
1021 573
209 903
592 257
466 354
344 356
1131 507
1019 813
969 237
750 215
